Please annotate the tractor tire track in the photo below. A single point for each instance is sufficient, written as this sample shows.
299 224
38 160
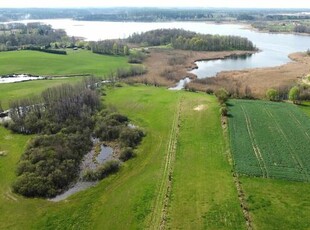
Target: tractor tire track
159 215
255 147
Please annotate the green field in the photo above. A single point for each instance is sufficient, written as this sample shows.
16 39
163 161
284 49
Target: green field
12 91
179 158
180 179
270 140
38 63
76 62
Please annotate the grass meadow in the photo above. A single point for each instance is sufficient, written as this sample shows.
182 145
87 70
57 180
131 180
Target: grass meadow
200 186
180 178
75 62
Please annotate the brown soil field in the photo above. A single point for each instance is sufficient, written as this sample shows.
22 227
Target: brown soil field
168 66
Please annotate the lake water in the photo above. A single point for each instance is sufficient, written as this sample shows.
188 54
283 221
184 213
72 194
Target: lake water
274 47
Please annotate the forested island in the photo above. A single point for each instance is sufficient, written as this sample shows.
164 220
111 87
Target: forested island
186 40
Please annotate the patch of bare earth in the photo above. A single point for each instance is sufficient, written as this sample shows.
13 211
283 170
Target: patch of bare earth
200 108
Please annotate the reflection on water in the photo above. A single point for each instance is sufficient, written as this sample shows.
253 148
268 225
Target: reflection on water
89 162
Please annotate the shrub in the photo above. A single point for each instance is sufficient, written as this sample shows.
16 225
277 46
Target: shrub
224 111
136 57
102 171
222 95
272 95
126 154
209 91
131 137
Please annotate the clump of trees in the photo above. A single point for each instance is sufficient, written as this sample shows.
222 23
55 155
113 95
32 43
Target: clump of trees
187 40
63 117
110 47
66 117
17 35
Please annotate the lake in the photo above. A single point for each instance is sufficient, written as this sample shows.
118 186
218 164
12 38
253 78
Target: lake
274 47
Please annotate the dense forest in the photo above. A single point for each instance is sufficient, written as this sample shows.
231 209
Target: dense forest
65 117
186 40
152 14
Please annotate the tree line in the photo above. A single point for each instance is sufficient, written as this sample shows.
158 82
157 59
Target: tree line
187 40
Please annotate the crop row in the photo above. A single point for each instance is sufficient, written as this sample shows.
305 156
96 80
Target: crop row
270 140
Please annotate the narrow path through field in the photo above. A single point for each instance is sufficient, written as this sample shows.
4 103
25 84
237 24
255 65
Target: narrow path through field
158 219
256 149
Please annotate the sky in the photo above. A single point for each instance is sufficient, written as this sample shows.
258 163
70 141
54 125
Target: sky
158 3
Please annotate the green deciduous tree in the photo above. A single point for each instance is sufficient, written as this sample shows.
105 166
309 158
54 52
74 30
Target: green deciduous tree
293 94
272 95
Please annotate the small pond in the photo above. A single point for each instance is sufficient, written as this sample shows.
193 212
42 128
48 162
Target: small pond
90 162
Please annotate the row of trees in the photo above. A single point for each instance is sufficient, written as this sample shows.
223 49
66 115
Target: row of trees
296 94
37 36
187 40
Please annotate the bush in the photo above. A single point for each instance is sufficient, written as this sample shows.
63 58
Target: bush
102 171
131 137
224 111
126 154
222 95
209 91
272 95
136 57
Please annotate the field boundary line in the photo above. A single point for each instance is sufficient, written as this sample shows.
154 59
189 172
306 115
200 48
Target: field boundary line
236 180
292 152
159 214
255 147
